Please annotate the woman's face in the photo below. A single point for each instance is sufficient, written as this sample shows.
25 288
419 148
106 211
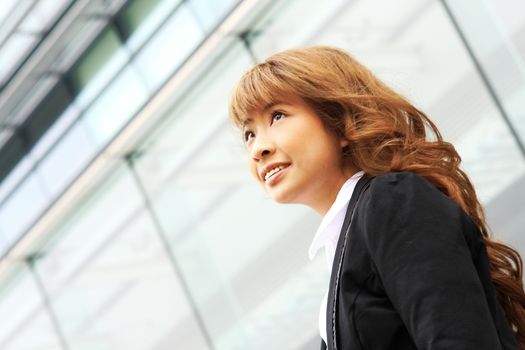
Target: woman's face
293 156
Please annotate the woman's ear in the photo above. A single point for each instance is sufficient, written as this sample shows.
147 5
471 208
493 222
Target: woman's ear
344 142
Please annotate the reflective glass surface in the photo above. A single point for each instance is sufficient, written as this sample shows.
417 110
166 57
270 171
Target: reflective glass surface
110 281
23 207
27 324
170 46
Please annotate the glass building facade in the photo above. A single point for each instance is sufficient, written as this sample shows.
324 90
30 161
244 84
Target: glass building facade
128 219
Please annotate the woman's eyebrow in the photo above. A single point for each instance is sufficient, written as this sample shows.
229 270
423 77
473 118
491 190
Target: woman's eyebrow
264 110
246 122
272 104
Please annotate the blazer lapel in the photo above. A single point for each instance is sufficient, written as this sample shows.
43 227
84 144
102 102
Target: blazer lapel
337 264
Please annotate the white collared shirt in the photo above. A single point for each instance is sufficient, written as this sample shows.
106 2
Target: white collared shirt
328 233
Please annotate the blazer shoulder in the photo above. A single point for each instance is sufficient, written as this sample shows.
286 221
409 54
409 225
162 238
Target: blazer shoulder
401 188
401 180
408 197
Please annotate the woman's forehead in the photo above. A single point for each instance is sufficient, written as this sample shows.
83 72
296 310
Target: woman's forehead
260 108
278 101
266 107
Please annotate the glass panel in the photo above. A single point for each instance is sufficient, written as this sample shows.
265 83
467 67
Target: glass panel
495 32
209 12
115 106
16 175
110 281
5 134
135 12
25 322
12 52
11 12
42 15
66 159
170 46
36 333
23 207
57 129
98 66
3 243
77 42
35 99
141 18
6 8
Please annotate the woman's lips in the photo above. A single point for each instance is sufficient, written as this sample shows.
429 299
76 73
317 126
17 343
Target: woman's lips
272 180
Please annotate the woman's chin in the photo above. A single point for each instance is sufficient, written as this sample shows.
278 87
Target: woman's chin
279 196
283 197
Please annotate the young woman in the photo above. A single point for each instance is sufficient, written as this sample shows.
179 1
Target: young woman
412 262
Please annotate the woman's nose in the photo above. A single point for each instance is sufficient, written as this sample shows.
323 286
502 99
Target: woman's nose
262 149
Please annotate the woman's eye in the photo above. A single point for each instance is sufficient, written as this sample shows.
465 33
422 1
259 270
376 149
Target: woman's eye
277 116
248 135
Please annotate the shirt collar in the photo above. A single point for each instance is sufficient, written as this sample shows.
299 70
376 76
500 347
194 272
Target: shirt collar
332 222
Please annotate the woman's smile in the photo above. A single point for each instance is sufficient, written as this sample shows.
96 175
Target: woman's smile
291 133
273 177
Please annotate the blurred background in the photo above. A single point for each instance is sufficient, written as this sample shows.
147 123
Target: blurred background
128 219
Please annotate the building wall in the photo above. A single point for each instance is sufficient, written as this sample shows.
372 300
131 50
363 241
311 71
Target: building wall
134 224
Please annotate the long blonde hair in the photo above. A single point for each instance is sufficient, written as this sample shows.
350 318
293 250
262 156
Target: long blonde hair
385 133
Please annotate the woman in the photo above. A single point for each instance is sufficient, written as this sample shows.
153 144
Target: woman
412 262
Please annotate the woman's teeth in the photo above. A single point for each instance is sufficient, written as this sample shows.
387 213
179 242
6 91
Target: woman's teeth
273 171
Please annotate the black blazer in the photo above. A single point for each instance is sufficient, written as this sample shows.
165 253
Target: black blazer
411 272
